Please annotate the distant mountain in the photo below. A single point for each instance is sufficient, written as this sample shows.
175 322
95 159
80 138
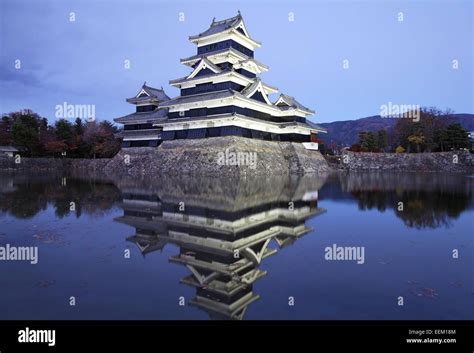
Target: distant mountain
345 133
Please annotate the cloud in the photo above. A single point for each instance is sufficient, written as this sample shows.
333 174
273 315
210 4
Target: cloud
24 77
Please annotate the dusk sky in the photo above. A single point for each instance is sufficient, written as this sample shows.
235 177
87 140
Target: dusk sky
82 62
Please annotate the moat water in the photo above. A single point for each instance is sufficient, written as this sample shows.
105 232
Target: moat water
352 246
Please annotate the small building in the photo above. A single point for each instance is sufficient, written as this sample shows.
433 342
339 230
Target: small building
138 127
223 95
8 151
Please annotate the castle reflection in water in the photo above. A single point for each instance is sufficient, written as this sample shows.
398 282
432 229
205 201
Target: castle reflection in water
223 230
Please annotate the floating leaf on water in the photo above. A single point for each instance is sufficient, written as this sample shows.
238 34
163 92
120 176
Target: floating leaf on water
429 293
45 283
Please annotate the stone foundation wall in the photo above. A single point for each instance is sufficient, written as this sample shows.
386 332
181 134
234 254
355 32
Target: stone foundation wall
456 161
34 164
201 157
39 165
219 156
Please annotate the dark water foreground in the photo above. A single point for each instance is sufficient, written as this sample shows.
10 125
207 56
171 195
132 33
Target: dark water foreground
255 248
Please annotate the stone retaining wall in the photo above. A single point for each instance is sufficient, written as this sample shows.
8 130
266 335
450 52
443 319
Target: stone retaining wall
53 164
34 164
219 156
456 161
201 157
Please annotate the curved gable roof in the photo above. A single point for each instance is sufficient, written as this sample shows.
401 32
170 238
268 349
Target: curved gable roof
148 93
221 26
292 102
204 63
255 87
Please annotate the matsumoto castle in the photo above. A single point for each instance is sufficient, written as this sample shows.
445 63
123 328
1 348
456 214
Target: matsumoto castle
222 96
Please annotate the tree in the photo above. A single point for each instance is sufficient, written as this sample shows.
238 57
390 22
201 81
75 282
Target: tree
101 139
456 137
417 140
78 127
55 147
431 125
368 141
432 121
382 140
108 145
64 133
6 131
441 138
63 130
25 131
399 149
91 137
29 131
355 148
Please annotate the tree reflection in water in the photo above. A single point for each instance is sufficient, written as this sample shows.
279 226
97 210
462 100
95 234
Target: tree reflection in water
420 200
25 196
